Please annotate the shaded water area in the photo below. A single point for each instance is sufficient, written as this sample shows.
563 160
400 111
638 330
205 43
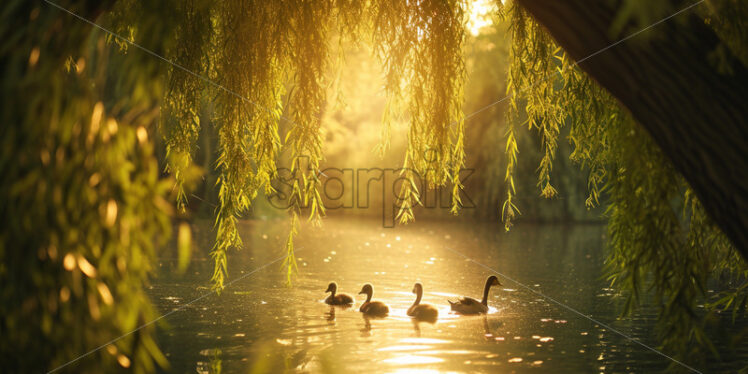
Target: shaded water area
259 325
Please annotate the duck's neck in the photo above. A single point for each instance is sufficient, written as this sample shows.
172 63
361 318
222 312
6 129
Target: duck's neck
368 296
419 293
332 291
485 293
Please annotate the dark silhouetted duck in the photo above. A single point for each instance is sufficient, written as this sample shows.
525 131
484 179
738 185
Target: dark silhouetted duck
337 299
422 312
372 308
467 305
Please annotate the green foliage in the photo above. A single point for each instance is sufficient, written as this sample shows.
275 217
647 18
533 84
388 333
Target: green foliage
661 240
311 24
180 122
489 53
421 45
533 76
82 203
262 52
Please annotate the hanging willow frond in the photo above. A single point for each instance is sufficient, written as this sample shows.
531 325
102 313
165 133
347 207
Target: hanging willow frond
255 49
310 25
256 46
534 76
180 120
250 66
660 237
421 47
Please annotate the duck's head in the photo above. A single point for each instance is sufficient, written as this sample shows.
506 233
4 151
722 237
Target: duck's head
367 289
417 288
332 287
492 280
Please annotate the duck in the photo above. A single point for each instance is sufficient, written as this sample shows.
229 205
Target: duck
372 308
468 305
337 299
422 312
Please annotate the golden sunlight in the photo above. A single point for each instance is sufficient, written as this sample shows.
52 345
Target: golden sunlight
329 186
480 15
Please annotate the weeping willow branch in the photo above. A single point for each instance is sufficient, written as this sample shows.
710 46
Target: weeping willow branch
256 49
235 30
660 237
421 46
509 210
310 24
534 77
180 122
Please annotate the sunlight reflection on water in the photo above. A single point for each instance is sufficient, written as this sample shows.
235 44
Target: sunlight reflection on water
260 323
412 360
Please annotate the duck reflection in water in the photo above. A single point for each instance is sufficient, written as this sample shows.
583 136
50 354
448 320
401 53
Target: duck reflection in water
366 331
416 327
488 331
330 316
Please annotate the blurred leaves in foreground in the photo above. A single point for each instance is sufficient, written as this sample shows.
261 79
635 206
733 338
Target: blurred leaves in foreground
82 202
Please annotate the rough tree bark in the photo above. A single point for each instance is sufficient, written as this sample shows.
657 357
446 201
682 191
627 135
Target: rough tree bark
697 116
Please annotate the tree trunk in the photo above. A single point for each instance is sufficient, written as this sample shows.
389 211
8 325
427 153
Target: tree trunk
696 115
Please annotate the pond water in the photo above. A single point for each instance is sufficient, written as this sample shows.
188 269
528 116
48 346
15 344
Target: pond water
259 325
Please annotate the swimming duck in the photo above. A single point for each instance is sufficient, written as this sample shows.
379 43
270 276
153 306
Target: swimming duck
467 305
372 308
339 299
423 312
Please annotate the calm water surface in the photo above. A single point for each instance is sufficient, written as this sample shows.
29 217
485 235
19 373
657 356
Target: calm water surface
259 325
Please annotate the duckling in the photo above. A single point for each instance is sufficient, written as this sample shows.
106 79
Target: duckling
339 299
467 305
372 308
423 312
